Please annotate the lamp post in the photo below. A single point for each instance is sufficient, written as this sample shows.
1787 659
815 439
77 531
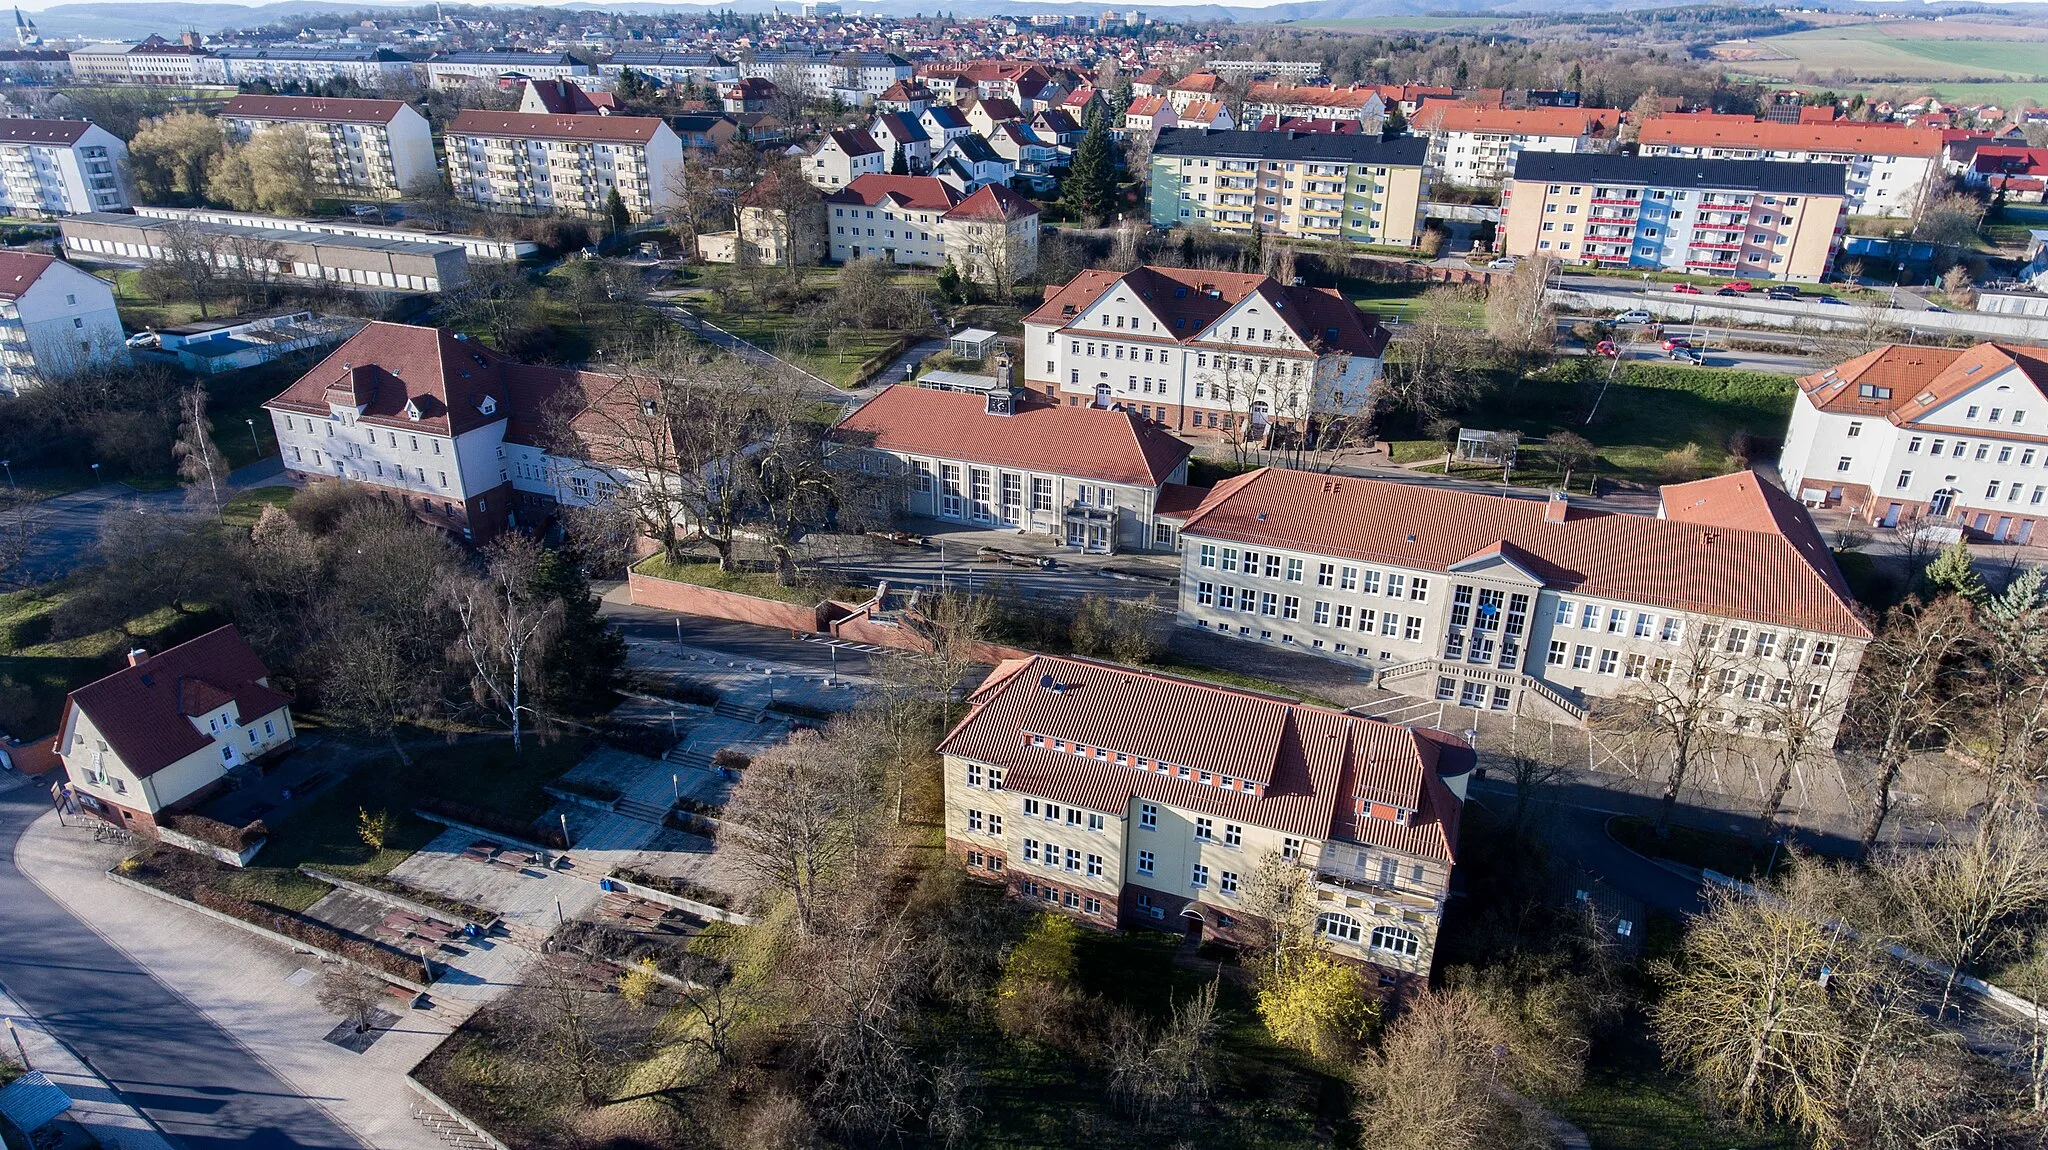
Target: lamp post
95 475
565 830
675 781
9 465
253 441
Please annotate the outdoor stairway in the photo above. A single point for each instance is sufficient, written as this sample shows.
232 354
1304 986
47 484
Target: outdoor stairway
645 812
684 757
447 1129
733 709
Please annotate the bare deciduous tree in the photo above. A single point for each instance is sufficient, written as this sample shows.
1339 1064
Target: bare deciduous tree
507 625
199 461
1674 707
799 812
1968 893
1900 701
1441 1076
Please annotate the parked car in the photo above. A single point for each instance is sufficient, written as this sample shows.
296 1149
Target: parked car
1633 315
1685 289
1691 356
1677 343
1727 291
1741 285
1834 299
1503 264
1783 291
145 339
1606 347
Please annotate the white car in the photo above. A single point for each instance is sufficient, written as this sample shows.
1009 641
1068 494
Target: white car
145 339
1633 315
1503 264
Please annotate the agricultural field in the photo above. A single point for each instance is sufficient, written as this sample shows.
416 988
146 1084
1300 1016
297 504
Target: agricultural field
1897 51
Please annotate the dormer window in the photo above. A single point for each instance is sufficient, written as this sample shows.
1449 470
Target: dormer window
412 410
489 406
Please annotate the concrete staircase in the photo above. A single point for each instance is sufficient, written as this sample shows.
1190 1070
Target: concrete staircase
681 756
448 1129
1417 678
732 708
644 811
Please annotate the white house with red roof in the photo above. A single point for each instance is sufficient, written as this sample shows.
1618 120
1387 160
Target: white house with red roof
1129 798
844 156
61 167
1912 436
1148 114
446 428
371 148
923 221
55 321
569 165
1530 606
561 97
1085 475
163 732
1203 352
1355 103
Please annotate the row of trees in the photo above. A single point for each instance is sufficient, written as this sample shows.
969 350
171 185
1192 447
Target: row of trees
186 158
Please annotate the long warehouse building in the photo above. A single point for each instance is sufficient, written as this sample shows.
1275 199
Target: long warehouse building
351 261
478 247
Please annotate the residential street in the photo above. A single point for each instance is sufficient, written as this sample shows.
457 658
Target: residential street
194 1079
71 523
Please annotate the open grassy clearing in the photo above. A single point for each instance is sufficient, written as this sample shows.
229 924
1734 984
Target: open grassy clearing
37 671
141 310
838 355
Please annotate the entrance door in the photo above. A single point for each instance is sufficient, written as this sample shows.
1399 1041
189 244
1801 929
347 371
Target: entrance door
1891 514
2004 529
1098 537
1193 923
2026 532
1943 502
1102 395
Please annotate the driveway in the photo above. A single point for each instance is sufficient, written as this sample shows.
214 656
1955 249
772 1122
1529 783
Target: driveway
70 524
165 1057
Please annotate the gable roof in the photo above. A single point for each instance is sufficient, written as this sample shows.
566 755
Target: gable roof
142 710
1312 767
1317 95
993 202
1146 106
947 119
854 142
999 109
1918 379
1838 136
1056 120
1723 557
385 366
1458 116
18 131
974 150
563 97
540 125
19 272
1200 298
314 109
1199 112
1197 82
1086 442
918 193
903 127
1768 176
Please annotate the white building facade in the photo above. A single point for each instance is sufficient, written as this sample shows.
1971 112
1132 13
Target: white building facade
372 149
1890 168
59 167
55 321
569 165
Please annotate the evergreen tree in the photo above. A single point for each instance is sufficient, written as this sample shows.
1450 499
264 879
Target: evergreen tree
1120 96
1951 572
1091 181
615 212
1396 123
900 166
584 666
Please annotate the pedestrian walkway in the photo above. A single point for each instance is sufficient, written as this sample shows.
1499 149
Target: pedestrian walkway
95 1106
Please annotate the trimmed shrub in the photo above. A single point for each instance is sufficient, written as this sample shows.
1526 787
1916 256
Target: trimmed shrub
388 959
218 833
679 887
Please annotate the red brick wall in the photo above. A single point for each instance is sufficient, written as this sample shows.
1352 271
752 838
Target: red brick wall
690 599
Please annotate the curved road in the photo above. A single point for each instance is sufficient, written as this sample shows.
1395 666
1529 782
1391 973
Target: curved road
167 1059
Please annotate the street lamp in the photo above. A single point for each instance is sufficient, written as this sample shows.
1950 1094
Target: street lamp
253 441
9 465
565 830
95 475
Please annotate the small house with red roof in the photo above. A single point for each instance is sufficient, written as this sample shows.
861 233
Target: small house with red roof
1091 477
562 97
1127 798
55 321
924 221
164 732
844 156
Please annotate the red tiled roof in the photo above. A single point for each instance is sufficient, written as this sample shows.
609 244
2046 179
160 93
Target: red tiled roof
1197 82
999 109
1202 297
314 109
1146 106
1919 378
1201 111
23 131
141 710
1179 500
562 97
1743 502
918 193
1086 442
993 202
1313 766
1318 95
1840 136
19 272
1741 572
540 125
1458 116
1322 124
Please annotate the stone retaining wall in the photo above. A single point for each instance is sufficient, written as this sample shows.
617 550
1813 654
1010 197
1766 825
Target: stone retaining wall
690 599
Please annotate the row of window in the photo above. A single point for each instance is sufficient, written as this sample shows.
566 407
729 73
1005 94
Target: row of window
1365 581
1962 446
1392 939
291 424
1227 881
1324 614
1051 812
1070 899
1050 853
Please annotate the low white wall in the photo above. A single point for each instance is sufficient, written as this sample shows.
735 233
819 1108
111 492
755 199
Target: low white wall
1797 314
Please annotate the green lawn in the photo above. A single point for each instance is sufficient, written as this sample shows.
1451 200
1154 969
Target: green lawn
245 509
139 309
483 773
1629 1102
36 672
794 337
1402 301
742 581
2015 222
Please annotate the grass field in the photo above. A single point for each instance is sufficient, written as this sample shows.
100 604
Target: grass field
37 670
792 337
1897 51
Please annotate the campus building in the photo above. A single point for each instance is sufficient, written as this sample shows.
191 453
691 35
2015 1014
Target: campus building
1534 607
541 164
1742 218
371 149
1356 104
502 67
1919 436
1311 185
1475 146
1128 798
57 167
1889 166
413 265
281 64
1212 353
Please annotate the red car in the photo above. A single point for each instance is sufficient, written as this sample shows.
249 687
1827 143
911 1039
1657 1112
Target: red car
1685 289
1677 343
1741 285
1606 347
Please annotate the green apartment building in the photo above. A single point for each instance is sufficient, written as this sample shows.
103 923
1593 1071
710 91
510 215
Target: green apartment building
1316 185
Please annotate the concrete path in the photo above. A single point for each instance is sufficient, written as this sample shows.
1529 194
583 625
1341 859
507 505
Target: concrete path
184 1017
753 353
96 1108
531 900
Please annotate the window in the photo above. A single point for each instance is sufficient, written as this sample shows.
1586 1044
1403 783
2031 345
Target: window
1204 830
1609 658
1233 835
995 778
1905 480
973 774
1564 613
1144 862
1347 579
1617 620
1031 850
1290 848
1395 940
1290 607
1226 882
1557 649
1331 924
1396 585
1824 653
1582 657
1073 858
1094 866
1198 876
1094 821
995 825
974 821
1207 556
1293 569
1418 590
1148 816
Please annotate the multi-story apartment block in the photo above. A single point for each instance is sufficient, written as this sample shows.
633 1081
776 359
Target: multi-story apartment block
924 221
1530 606
453 69
57 167
1317 186
444 427
167 63
672 67
1201 352
1927 436
101 64
1889 167
1711 217
55 321
1475 146
1129 798
281 64
371 149
855 78
1091 477
844 156
1362 105
519 162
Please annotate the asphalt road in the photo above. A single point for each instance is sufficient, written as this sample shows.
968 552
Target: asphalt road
68 526
160 1053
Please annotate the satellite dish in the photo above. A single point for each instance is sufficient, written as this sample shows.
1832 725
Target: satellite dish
1045 682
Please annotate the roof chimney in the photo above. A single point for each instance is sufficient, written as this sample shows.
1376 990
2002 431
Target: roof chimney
136 655
1558 509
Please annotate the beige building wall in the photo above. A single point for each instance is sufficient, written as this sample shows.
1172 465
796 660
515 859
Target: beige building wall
1813 237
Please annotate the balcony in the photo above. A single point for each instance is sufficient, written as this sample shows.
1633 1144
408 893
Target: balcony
1617 202
1716 245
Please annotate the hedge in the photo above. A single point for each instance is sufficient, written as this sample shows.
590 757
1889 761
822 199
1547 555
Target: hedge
388 959
220 834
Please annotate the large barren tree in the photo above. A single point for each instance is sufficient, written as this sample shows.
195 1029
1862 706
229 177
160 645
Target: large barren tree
508 622
1901 701
1675 707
